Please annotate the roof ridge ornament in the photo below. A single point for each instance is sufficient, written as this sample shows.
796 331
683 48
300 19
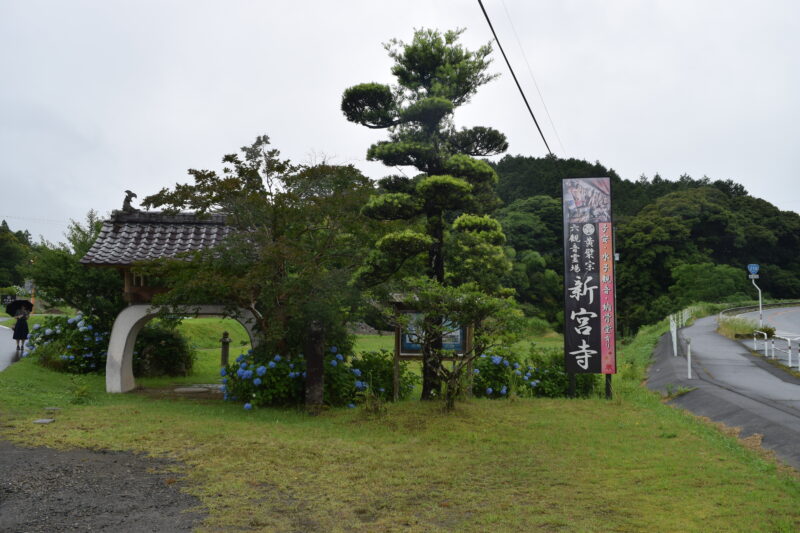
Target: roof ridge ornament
126 204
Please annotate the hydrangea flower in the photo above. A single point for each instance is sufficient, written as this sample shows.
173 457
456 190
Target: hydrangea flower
223 372
334 349
257 382
248 374
271 364
248 406
36 326
496 359
476 371
503 391
489 391
334 362
351 405
261 370
518 372
357 372
340 357
276 358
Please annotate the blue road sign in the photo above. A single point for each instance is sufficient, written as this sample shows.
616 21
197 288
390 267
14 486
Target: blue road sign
752 268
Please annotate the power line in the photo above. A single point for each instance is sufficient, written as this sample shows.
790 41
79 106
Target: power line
530 73
30 219
521 92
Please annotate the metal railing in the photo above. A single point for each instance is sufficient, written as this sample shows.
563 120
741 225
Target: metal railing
726 313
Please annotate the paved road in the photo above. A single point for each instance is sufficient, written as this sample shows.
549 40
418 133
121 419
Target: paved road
8 353
786 321
734 387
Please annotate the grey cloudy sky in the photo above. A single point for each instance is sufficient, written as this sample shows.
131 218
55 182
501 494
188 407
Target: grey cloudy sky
100 96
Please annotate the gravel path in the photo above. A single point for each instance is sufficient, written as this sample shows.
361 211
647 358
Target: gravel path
45 490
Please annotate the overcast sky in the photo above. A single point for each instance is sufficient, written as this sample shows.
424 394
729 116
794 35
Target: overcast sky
105 95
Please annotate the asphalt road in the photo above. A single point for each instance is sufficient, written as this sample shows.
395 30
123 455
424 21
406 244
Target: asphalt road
732 386
8 352
785 320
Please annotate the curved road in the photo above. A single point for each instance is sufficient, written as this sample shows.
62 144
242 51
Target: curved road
785 320
732 386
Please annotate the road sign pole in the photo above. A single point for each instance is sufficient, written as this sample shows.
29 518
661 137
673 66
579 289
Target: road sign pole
753 269
760 308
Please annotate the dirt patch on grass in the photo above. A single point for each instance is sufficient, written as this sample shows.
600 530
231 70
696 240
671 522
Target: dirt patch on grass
753 443
45 490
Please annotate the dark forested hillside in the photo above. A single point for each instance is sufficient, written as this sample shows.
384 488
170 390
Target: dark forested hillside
679 241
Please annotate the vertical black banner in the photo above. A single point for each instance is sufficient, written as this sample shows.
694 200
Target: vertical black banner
589 303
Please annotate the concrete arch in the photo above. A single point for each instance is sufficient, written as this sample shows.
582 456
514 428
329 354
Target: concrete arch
128 324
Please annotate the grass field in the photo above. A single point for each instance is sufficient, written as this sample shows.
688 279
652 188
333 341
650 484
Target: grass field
630 464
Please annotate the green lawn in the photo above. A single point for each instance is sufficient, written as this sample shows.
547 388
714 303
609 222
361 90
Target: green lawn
630 464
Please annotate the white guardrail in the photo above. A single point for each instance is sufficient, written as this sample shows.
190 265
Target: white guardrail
784 345
677 321
762 343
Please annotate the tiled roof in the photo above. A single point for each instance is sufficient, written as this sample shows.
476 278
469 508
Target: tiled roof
140 236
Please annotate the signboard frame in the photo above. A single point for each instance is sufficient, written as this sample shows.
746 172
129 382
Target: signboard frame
589 284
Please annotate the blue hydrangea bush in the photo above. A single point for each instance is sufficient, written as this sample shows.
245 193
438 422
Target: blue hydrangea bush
542 374
74 345
68 344
258 378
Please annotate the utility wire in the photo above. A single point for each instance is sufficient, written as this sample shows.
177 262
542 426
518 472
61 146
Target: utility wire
521 92
530 72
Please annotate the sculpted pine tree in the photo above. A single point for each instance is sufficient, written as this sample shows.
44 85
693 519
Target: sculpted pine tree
435 75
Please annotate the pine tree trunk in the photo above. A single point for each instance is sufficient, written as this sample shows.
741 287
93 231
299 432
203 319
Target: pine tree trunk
315 378
431 383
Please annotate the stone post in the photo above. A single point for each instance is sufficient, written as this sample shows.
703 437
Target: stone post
225 341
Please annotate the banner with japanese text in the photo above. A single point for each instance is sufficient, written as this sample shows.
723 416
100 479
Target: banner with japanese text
589 298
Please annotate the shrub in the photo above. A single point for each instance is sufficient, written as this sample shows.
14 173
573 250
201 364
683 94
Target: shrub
501 374
547 367
75 346
260 378
68 345
161 351
377 370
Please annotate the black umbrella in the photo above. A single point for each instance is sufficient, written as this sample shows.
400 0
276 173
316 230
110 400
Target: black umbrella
14 307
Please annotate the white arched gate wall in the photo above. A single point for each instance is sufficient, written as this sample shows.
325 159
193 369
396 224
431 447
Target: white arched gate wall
119 364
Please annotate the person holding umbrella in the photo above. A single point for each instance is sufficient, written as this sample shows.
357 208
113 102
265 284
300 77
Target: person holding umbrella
20 309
